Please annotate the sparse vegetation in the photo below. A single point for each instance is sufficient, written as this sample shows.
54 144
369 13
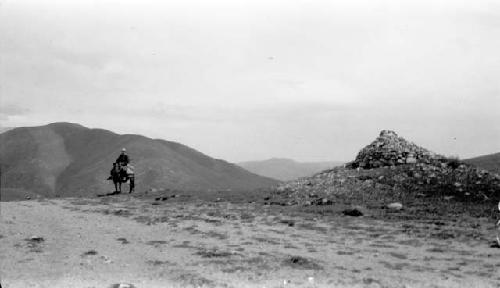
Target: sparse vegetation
123 240
213 253
195 280
299 262
159 263
157 242
89 253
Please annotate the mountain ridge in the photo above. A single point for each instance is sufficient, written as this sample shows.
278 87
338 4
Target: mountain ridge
286 169
68 159
489 162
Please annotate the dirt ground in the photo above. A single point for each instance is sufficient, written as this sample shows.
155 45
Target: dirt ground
103 242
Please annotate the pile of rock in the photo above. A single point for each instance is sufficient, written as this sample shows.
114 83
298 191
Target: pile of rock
393 170
390 150
313 190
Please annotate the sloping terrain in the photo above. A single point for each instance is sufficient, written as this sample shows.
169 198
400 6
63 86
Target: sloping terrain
489 162
286 169
393 169
105 242
63 159
5 129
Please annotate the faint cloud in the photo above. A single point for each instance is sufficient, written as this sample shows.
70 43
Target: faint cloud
12 110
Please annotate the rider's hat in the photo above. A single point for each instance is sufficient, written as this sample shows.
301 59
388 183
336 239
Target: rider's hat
123 149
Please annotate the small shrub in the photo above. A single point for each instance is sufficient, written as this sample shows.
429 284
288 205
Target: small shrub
89 253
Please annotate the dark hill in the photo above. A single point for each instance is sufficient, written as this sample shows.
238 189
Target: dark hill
489 162
64 159
286 169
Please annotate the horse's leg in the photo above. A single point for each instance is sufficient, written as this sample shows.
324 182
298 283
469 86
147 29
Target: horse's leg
132 185
116 186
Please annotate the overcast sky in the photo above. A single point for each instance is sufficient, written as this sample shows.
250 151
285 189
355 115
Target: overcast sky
247 80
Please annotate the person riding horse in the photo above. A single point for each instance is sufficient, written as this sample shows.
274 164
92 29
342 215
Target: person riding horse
122 172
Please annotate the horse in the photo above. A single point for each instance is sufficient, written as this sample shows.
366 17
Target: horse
128 175
116 177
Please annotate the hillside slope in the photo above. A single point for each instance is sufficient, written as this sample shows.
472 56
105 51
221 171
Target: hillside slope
286 169
63 159
5 129
489 162
392 169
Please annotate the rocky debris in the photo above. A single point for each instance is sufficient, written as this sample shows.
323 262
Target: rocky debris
288 222
498 235
106 259
36 239
122 285
121 212
396 206
310 280
322 201
123 240
389 175
354 211
391 150
35 243
89 253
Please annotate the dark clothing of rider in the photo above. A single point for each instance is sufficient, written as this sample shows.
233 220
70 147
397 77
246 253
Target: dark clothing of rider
123 159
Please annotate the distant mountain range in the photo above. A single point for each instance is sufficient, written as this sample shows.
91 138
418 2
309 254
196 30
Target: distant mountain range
286 169
65 159
489 162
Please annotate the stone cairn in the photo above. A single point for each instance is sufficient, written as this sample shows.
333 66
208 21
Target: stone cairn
403 167
391 150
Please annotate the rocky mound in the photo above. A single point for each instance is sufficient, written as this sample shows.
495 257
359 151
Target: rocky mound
390 150
392 169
